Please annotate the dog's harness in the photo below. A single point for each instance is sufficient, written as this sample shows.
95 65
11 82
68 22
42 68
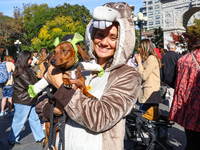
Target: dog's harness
73 72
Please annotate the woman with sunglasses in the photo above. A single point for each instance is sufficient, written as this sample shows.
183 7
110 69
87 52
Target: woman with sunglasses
24 105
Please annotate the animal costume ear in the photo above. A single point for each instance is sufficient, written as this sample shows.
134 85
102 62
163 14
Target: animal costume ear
83 54
56 41
77 38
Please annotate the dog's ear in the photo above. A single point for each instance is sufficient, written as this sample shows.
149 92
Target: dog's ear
52 54
83 54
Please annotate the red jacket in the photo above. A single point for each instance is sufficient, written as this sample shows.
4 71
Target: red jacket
185 108
157 51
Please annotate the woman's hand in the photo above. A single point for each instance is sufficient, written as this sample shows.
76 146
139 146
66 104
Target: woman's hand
76 84
138 59
54 76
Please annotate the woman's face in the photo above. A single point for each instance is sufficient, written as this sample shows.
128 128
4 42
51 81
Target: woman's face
140 49
30 60
105 43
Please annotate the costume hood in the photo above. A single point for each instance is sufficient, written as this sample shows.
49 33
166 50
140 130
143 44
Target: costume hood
103 16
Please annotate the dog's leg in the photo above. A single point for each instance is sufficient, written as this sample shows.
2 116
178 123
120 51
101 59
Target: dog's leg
67 83
84 90
47 126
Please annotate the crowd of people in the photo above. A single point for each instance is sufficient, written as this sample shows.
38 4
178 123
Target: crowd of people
100 123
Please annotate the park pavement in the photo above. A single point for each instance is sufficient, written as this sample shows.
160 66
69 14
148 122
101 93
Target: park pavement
176 136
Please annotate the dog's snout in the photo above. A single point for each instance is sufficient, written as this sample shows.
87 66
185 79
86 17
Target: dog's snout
53 61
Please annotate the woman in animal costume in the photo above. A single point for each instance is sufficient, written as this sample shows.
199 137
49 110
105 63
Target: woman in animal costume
100 124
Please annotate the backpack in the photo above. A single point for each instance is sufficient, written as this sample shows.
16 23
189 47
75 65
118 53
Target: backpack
4 75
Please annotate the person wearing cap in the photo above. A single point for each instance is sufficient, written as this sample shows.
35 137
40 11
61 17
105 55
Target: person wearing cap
100 124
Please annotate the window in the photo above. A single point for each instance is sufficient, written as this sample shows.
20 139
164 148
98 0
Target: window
157 22
157 12
156 1
150 2
157 17
150 18
150 8
150 13
145 15
151 23
150 28
157 6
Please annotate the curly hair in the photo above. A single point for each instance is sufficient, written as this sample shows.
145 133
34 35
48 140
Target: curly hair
8 58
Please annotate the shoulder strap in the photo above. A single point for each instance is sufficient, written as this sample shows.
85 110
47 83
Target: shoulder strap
195 60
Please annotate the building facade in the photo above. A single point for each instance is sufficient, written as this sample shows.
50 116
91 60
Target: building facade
152 9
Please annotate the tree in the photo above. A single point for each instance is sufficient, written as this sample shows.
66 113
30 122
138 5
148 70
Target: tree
137 39
187 40
35 17
158 37
76 12
10 30
58 27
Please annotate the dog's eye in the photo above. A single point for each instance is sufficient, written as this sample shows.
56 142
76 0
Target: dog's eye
64 50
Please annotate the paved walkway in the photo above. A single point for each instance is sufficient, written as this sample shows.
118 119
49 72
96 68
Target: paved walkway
27 140
176 136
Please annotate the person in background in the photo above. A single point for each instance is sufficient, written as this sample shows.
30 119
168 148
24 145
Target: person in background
185 109
42 61
99 124
158 52
168 70
35 58
149 95
161 51
7 88
24 105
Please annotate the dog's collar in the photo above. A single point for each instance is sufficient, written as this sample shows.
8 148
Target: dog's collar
73 67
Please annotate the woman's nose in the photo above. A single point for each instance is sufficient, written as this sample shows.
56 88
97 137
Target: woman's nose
105 41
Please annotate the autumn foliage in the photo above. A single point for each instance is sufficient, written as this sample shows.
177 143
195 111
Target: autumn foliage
188 39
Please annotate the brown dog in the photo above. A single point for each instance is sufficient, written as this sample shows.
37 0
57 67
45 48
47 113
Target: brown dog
64 56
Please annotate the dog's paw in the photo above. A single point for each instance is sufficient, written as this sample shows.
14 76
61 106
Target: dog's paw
68 86
93 98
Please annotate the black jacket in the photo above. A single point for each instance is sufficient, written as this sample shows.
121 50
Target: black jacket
20 89
168 69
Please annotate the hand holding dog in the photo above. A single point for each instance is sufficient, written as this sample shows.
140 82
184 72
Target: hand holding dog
54 76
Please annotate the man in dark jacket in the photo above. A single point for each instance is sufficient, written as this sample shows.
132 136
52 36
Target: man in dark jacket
168 69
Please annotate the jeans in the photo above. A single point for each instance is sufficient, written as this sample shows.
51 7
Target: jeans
22 112
7 91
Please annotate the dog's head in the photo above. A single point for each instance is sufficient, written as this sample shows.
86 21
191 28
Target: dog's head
65 56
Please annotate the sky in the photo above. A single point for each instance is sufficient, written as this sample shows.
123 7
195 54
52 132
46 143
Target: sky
7 6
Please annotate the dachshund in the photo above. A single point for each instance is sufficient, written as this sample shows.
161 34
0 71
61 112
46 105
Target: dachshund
65 57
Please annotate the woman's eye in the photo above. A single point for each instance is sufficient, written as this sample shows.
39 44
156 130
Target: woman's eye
113 38
100 35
